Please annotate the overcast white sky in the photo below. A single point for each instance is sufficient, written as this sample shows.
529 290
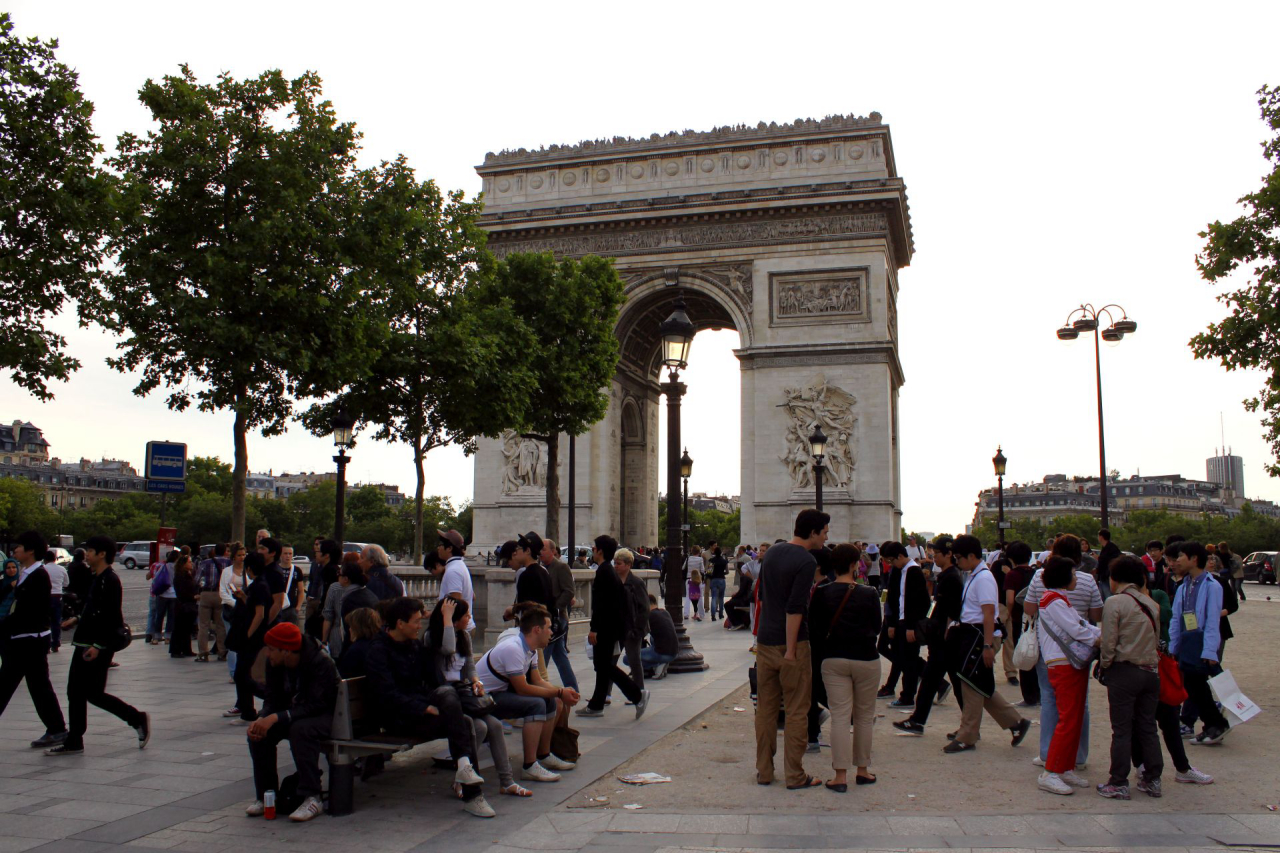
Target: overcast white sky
1053 154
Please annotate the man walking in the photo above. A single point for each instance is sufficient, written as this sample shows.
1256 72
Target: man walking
562 589
947 589
26 632
210 603
97 637
1195 635
455 580
978 601
609 603
905 608
783 660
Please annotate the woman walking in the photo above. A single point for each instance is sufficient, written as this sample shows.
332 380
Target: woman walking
1067 644
844 623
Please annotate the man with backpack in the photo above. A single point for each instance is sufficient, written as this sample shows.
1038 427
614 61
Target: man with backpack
99 635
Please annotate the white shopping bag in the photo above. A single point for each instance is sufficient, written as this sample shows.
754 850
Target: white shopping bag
1236 707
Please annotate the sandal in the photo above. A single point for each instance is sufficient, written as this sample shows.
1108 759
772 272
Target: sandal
865 780
838 787
809 782
516 791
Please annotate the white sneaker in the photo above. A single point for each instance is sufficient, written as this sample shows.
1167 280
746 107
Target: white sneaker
552 762
1038 761
1074 779
1194 777
537 773
311 807
256 809
467 774
1054 784
479 807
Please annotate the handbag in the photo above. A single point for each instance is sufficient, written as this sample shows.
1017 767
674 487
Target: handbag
1026 654
473 705
122 638
1172 691
160 583
564 743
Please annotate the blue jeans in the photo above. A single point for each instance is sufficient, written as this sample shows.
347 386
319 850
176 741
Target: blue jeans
559 653
717 597
161 608
650 658
1049 716
55 620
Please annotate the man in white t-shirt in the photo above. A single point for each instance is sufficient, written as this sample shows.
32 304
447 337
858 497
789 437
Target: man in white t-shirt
914 551
978 619
455 581
509 674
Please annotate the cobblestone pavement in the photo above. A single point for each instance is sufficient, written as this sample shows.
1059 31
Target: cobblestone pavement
188 789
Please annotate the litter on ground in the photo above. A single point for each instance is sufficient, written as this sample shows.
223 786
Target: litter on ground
644 778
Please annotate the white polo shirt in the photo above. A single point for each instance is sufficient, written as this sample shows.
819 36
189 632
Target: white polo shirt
979 590
510 657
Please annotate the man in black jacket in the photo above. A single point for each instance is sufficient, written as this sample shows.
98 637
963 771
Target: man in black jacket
302 689
400 680
609 605
26 637
905 608
97 638
948 587
1106 554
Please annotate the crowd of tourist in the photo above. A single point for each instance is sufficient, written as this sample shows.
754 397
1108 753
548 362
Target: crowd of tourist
826 620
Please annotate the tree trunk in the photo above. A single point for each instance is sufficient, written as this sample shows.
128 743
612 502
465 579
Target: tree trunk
238 475
419 456
553 486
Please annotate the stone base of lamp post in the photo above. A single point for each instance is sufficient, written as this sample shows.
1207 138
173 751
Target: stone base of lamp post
687 659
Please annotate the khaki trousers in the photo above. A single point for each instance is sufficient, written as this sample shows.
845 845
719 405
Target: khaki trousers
1005 715
851 693
1006 646
210 604
782 685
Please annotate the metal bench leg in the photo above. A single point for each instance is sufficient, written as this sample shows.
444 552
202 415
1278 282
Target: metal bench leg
342 782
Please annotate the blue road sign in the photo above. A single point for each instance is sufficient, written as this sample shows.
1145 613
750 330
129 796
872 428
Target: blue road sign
166 460
166 486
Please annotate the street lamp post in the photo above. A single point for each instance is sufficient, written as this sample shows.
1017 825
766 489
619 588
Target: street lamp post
1088 321
686 471
818 447
999 462
677 334
342 424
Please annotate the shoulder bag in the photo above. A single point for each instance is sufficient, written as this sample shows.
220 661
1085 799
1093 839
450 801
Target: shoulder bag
1172 691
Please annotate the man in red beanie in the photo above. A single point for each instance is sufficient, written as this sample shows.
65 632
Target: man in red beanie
302 689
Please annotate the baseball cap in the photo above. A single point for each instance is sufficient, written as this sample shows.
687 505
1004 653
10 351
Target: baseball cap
451 537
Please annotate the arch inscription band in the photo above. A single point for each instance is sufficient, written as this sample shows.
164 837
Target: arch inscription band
792 235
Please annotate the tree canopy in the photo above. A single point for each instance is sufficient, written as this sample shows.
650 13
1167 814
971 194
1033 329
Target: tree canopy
245 253
1249 337
55 207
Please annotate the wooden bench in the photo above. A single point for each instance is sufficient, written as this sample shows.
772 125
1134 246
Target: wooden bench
350 740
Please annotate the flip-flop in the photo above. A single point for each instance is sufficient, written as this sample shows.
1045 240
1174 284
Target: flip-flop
839 788
809 782
865 780
515 790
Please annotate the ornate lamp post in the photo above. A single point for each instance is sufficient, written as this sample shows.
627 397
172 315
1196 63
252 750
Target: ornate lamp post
677 334
686 471
1088 321
342 424
818 448
999 462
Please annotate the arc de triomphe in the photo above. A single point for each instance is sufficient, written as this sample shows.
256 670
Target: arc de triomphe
791 234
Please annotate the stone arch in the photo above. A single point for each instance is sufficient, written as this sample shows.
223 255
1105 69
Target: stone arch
652 300
633 458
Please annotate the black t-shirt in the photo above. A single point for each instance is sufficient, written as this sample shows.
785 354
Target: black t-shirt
258 595
274 579
786 577
719 566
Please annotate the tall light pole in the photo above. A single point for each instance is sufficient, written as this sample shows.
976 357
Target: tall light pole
342 424
677 334
818 448
1089 321
999 462
686 471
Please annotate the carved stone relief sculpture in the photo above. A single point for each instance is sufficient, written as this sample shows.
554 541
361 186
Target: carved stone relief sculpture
831 296
524 464
831 407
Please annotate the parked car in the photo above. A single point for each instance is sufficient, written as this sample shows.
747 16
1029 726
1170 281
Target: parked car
1260 566
136 554
353 547
61 556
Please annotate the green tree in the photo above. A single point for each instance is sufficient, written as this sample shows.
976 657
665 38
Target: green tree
22 508
243 277
463 521
572 308
453 367
1249 337
209 474
55 207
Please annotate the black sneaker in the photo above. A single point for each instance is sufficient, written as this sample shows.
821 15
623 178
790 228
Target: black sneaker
943 692
65 749
884 693
910 727
957 746
144 730
1020 732
49 739
901 703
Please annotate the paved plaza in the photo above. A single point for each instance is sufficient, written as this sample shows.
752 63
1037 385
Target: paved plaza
188 789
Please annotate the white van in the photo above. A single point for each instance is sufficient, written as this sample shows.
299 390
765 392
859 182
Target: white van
136 555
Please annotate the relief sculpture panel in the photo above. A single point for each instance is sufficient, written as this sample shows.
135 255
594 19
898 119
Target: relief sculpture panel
820 404
828 296
525 464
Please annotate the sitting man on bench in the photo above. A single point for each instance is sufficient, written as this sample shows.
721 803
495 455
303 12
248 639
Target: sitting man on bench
399 681
509 673
302 688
